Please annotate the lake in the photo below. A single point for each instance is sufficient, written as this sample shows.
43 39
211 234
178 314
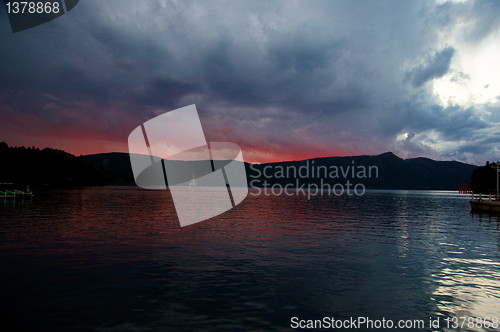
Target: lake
115 259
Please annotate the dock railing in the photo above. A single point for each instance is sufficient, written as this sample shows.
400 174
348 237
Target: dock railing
15 194
484 197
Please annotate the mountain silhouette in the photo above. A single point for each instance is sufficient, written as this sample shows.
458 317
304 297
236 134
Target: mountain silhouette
51 167
393 171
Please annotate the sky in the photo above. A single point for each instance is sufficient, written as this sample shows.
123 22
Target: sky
285 80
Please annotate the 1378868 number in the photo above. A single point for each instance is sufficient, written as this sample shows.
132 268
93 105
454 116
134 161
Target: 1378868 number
472 323
32 7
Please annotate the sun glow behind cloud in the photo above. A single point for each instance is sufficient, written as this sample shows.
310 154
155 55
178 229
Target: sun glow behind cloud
475 70
461 76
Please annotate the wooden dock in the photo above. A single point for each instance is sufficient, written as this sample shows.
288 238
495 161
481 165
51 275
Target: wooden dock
485 203
15 194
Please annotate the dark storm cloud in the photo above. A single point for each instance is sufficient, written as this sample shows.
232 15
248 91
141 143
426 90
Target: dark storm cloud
276 77
454 121
166 93
436 66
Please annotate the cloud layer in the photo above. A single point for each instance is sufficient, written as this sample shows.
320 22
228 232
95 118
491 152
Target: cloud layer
285 80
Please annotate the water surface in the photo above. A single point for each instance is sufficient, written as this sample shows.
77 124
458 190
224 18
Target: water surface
115 259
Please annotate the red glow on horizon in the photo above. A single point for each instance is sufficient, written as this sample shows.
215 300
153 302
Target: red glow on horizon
82 146
30 130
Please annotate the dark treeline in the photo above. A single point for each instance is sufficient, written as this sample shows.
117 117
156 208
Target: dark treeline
484 179
23 166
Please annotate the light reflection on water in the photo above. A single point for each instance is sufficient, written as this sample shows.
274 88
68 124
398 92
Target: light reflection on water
473 285
116 259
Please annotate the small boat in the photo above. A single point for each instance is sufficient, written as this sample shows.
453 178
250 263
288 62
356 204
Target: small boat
193 182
